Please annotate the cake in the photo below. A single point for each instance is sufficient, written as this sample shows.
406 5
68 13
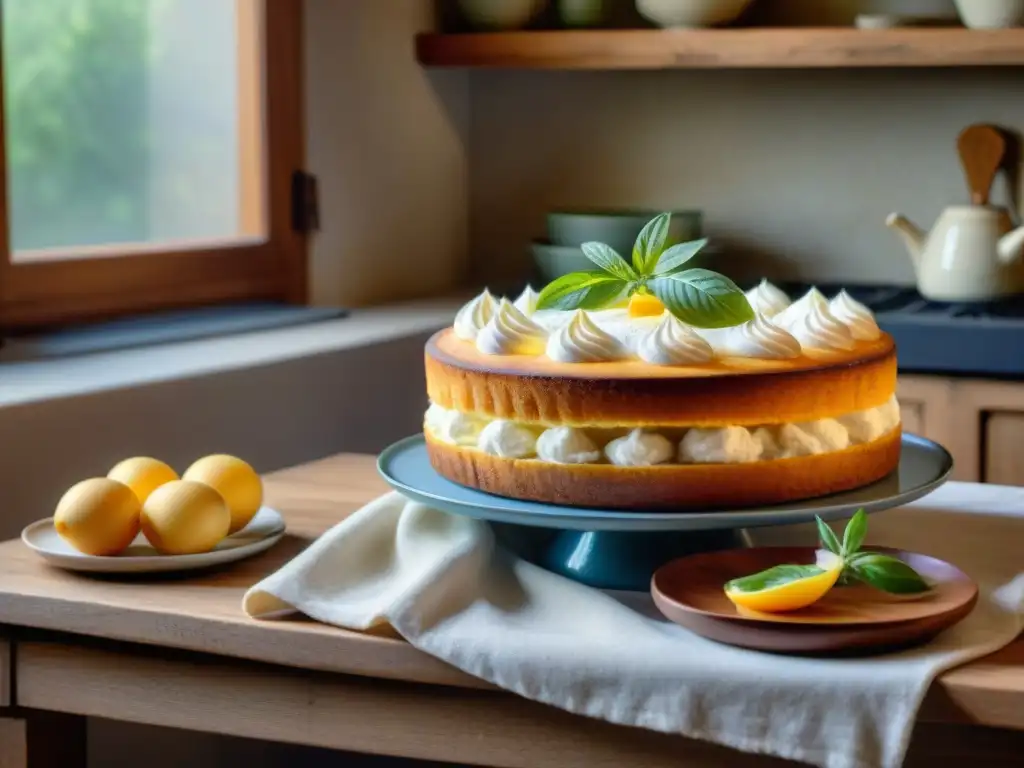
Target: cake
647 385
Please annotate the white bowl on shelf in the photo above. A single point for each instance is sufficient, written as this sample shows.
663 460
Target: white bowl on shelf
500 14
991 14
691 13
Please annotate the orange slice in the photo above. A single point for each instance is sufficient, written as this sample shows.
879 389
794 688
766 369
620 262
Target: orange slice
645 305
786 587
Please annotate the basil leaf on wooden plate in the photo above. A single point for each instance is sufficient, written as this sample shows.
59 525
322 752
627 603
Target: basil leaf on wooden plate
607 259
650 243
702 298
853 536
582 290
887 573
828 537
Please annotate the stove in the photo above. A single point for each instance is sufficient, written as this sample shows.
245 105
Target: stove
982 339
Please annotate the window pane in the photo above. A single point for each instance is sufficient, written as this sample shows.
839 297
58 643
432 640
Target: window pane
131 121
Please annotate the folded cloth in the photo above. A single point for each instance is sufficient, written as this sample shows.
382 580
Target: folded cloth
445 586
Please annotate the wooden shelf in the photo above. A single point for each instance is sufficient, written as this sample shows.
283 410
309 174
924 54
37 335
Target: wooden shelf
725 48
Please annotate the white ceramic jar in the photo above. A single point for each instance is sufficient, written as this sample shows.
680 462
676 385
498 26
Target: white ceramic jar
691 13
500 14
991 14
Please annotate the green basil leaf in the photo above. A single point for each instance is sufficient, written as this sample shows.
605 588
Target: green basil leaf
650 243
853 536
887 574
828 537
702 298
773 577
582 290
607 259
678 255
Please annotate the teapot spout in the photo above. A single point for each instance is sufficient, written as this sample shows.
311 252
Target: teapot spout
1011 246
913 236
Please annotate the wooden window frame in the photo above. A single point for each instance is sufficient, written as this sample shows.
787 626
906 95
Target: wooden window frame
73 285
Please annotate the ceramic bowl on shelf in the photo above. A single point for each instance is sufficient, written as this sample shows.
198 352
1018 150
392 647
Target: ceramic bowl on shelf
991 14
619 229
691 13
552 261
500 14
582 13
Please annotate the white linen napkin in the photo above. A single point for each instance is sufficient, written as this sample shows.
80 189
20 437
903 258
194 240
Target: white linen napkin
441 582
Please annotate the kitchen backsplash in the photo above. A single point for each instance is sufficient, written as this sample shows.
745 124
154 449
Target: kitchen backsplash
795 170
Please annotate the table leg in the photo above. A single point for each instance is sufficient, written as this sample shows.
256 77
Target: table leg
55 740
37 739
13 743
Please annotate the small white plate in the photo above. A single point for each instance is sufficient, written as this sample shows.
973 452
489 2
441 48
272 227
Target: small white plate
263 532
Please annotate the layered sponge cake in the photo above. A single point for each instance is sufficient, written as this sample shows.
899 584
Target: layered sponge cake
643 384
610 409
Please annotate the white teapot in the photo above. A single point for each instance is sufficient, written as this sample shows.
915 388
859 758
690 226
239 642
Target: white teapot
973 253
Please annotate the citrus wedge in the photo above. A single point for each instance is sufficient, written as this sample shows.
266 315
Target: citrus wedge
645 305
786 587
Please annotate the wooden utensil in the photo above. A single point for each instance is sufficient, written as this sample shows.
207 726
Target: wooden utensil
982 150
855 619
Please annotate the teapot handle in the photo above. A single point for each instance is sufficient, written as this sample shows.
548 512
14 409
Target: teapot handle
1011 183
1013 201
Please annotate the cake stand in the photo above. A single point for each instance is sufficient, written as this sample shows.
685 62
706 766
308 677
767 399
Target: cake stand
617 549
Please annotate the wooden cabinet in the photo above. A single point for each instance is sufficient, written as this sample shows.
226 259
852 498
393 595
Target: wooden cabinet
912 416
991 416
980 422
1003 449
924 406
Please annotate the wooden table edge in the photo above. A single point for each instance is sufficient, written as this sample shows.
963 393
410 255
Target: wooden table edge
978 693
201 692
333 650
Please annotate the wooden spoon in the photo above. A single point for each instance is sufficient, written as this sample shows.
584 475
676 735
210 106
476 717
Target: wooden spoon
982 149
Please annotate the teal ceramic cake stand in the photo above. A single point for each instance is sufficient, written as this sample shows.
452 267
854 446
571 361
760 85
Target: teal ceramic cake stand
616 549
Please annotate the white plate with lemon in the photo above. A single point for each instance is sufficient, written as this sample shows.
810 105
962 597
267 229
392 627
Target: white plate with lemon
143 518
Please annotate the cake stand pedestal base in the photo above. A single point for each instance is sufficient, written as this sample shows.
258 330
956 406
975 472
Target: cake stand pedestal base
611 559
621 549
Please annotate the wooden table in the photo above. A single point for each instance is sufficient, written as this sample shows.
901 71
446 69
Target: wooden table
180 652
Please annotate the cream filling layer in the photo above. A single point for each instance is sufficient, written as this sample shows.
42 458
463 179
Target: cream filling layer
651 446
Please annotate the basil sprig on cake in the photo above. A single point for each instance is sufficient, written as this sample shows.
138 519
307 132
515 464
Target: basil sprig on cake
699 297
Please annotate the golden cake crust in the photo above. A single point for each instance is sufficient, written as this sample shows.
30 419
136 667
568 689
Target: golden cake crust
677 486
730 392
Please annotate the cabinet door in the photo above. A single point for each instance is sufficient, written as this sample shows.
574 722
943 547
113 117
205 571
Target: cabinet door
924 405
1004 448
927 408
912 416
987 420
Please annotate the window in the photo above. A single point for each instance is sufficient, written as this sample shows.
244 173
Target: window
148 154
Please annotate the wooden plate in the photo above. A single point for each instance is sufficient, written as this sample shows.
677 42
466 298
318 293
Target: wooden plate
853 619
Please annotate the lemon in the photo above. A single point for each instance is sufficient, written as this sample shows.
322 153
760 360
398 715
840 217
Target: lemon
233 479
143 475
184 518
645 305
786 587
98 516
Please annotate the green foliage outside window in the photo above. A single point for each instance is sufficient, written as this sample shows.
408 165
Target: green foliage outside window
75 79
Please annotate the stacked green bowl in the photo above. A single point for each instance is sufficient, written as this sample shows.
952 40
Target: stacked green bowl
569 229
